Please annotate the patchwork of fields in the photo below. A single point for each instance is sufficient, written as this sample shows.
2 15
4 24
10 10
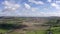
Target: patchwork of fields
29 25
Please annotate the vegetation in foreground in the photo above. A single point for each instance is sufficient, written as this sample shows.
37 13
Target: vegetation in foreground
14 26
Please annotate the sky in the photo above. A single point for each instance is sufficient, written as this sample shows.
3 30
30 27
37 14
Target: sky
30 8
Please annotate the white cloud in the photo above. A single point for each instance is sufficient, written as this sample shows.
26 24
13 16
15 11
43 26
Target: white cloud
10 9
55 5
39 2
58 1
34 9
47 14
49 0
10 6
36 2
31 12
27 6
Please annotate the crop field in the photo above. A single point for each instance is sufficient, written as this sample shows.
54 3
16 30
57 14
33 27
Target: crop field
30 25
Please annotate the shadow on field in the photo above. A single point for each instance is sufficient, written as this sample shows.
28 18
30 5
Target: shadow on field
11 26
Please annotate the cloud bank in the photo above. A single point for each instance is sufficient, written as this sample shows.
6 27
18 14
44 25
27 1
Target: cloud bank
40 9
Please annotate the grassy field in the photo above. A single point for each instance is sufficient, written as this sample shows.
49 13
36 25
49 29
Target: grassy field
36 32
20 23
30 32
3 31
55 30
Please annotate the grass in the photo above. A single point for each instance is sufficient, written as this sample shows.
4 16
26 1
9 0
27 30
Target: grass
14 33
30 32
55 30
36 32
3 30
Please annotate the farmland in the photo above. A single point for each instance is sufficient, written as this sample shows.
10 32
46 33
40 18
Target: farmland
29 25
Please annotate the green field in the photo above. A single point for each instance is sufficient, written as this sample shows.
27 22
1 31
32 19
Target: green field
6 25
3 31
31 32
36 32
55 30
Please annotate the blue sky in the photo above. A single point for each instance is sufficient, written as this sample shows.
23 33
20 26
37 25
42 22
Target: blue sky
30 8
